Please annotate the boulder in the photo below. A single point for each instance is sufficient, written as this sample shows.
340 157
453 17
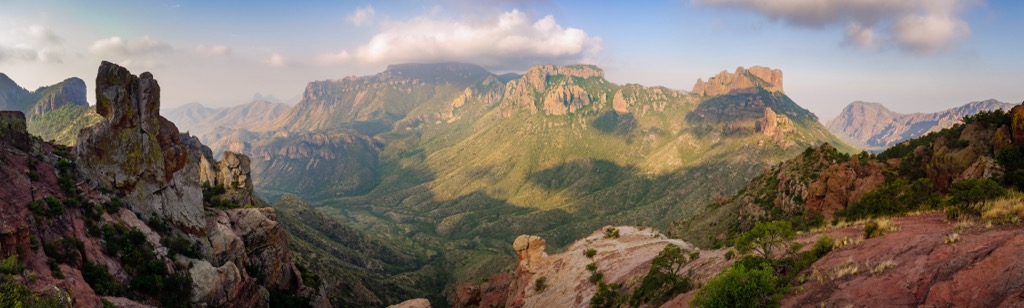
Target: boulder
530 252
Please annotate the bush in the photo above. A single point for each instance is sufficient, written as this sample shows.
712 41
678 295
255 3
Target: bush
540 284
48 207
596 277
67 250
966 195
100 280
892 197
11 265
611 233
182 246
739 286
608 296
115 204
822 246
590 253
592 267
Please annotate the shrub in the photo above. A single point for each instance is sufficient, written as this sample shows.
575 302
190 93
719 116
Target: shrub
67 250
596 277
592 267
871 229
182 246
100 280
608 295
115 204
611 232
822 246
590 253
966 195
890 198
48 207
739 286
540 284
11 265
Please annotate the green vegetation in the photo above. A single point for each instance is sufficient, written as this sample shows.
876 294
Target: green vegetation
213 196
99 278
14 293
48 207
148 271
540 284
590 253
67 250
63 124
965 197
767 238
611 233
739 286
893 197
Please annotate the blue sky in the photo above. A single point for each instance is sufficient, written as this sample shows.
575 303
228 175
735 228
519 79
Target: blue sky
912 55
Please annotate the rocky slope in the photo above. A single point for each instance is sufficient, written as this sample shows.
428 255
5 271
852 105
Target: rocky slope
199 120
873 127
155 239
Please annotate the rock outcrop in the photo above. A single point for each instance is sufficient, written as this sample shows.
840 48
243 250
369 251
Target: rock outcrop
559 98
774 126
1017 126
530 252
741 81
624 260
232 257
138 153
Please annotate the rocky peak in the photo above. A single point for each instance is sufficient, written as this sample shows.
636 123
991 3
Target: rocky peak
556 99
70 91
232 172
741 81
138 153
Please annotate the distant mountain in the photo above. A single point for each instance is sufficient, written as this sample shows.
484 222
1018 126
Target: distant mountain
453 160
199 120
61 126
871 126
71 91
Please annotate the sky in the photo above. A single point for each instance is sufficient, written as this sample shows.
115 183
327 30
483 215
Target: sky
911 55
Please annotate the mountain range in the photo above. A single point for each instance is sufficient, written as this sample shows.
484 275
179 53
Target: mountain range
414 182
452 161
871 126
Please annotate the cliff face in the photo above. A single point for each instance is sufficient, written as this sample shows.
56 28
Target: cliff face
135 161
874 127
741 81
68 92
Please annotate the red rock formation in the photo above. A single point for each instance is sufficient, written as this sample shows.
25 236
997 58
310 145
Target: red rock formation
741 81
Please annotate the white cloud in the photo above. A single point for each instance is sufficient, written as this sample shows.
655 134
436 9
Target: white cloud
919 26
39 35
362 15
508 40
277 60
213 51
25 53
860 36
116 46
334 58
34 43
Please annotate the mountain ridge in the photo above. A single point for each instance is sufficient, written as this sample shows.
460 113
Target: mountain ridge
874 127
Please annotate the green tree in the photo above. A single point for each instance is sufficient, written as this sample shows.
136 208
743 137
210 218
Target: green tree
766 238
663 280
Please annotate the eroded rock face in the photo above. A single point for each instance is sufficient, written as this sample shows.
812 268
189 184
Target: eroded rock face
413 303
530 251
138 153
741 81
266 246
774 126
557 99
70 91
233 173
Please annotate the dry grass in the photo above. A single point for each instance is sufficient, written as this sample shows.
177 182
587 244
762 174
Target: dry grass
848 268
951 238
1009 209
882 266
